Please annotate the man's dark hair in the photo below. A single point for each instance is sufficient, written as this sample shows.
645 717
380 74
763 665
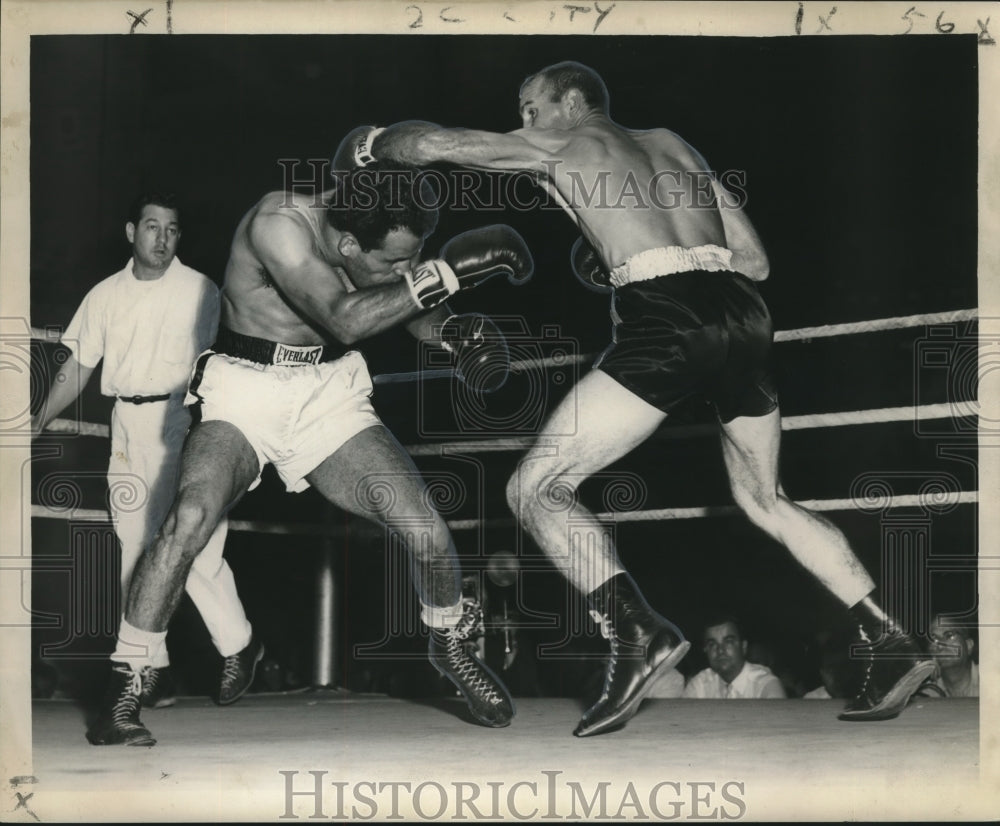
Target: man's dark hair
167 200
561 77
371 202
722 619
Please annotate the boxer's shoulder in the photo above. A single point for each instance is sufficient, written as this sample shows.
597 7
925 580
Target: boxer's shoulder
281 218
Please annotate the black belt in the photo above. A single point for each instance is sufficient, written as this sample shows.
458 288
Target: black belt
262 351
143 399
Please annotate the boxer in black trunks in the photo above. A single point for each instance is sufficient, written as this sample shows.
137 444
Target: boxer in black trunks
681 256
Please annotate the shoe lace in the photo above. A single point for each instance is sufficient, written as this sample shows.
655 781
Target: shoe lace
464 665
150 679
869 664
126 707
230 669
608 632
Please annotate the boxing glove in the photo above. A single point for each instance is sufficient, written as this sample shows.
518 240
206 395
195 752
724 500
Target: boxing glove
482 359
355 150
588 268
468 260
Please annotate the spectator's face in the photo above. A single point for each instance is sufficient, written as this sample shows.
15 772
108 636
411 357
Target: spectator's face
950 646
725 650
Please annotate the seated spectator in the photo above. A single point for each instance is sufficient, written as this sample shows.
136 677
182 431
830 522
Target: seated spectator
952 645
729 674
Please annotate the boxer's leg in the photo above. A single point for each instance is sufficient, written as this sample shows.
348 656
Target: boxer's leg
894 664
142 478
372 476
217 466
210 582
596 424
750 449
156 471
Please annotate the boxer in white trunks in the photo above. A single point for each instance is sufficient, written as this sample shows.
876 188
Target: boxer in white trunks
284 383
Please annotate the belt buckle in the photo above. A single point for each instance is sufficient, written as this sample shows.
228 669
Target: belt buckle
291 354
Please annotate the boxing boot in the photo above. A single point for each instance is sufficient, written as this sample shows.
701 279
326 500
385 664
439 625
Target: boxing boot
643 646
118 721
487 697
894 668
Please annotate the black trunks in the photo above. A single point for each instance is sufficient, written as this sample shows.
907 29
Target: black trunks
693 333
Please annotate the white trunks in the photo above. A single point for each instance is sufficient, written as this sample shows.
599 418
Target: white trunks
653 263
293 416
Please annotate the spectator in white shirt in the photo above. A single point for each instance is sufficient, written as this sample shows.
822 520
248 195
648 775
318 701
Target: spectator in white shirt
729 674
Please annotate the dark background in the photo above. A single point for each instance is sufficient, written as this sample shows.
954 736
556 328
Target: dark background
860 161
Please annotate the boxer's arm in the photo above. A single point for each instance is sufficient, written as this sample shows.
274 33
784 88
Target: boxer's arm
749 256
427 325
314 287
418 143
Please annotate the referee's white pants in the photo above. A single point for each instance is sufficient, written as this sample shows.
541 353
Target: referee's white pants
146 442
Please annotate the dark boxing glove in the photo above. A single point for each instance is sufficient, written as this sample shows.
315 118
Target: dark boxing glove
355 150
588 268
468 260
482 359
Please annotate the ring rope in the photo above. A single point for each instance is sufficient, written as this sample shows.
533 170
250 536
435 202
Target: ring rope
876 325
880 415
934 500
803 333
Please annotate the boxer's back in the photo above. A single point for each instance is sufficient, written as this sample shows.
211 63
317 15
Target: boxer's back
634 191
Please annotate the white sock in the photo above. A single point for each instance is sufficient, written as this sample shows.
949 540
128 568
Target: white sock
435 616
160 657
136 647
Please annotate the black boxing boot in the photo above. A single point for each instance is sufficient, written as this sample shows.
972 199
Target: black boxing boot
487 697
118 722
894 667
643 646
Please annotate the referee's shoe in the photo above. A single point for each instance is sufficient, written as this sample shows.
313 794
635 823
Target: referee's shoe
238 671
